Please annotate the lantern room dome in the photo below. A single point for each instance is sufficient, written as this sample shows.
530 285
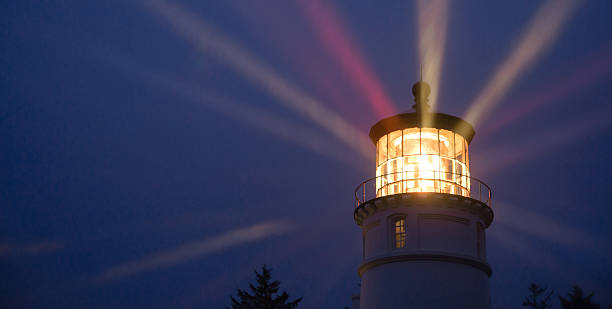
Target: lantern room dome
411 120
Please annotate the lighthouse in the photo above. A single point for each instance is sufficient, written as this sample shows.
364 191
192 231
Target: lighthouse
423 216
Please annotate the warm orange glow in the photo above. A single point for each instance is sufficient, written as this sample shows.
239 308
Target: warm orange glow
400 233
422 160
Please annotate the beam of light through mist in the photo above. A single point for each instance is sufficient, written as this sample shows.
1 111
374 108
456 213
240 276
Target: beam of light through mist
542 31
197 249
338 42
536 144
307 248
432 21
307 138
211 41
525 249
280 29
10 250
534 255
285 129
588 73
546 229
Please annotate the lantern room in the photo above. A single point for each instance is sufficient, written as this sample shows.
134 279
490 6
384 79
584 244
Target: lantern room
422 151
422 160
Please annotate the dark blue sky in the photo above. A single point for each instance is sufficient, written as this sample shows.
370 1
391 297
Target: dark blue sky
142 170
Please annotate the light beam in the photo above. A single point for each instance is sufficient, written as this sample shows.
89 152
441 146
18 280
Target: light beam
308 138
542 31
542 142
196 249
338 42
535 256
432 21
587 73
211 41
545 228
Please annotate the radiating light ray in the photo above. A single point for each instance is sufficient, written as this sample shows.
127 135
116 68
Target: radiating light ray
542 31
540 143
432 21
292 132
276 125
545 228
279 28
308 248
526 249
338 42
273 124
593 70
196 249
528 253
213 42
33 249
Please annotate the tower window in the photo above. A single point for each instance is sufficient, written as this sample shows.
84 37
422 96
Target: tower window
399 233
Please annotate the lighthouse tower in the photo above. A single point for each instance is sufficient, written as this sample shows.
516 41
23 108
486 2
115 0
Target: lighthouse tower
423 217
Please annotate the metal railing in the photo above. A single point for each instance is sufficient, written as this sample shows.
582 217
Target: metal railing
451 183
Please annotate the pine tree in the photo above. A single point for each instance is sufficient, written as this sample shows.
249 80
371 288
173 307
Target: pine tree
264 295
533 300
577 300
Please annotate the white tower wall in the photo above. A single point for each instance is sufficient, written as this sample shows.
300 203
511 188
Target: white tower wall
443 263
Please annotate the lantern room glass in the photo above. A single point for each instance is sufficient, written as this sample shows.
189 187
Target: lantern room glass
422 160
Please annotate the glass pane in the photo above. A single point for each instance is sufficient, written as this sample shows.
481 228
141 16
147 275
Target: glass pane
399 226
377 153
378 180
382 150
383 191
460 179
388 172
467 157
428 167
429 141
446 169
446 175
394 169
400 233
411 141
447 143
395 144
410 168
459 153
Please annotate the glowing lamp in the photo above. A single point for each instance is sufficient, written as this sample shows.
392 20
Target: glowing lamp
422 151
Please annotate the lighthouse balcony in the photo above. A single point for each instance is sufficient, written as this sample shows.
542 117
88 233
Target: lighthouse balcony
407 187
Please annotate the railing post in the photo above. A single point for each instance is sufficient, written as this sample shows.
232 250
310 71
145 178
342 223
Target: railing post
364 190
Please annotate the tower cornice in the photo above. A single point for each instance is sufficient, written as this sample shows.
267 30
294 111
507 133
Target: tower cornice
431 200
433 120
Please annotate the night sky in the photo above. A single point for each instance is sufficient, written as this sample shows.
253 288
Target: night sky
154 154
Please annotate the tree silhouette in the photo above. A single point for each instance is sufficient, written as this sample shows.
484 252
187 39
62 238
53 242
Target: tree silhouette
577 300
264 295
533 300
